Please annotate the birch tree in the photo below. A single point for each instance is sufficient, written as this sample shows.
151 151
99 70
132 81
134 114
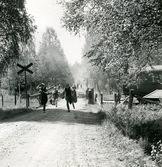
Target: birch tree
129 33
16 28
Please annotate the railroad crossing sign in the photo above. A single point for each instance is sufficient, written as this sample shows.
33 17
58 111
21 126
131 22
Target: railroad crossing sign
24 68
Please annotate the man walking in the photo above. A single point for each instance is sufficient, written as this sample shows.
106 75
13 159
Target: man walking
68 96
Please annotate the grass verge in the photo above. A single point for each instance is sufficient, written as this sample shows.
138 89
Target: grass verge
125 150
141 124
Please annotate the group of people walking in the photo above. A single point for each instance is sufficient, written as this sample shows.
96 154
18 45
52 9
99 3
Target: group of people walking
69 93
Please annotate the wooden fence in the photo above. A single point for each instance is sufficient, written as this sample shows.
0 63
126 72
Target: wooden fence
12 101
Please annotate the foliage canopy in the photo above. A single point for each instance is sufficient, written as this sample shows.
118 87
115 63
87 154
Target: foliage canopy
127 33
16 28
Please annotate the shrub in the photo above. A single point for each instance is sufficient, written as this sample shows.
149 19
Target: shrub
156 153
140 123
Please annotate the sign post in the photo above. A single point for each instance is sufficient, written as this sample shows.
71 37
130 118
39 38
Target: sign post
25 68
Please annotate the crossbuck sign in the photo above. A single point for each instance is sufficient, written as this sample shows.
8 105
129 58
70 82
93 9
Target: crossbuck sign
25 68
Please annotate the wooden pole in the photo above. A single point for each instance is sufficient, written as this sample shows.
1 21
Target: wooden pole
28 100
101 98
130 104
2 101
26 93
115 99
19 89
92 90
15 98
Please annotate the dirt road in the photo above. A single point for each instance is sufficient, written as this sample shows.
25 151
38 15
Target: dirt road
56 138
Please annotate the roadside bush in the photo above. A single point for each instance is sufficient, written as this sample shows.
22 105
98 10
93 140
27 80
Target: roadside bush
141 124
156 153
101 115
128 151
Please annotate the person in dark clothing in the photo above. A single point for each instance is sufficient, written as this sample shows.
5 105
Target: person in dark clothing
68 96
39 87
74 94
55 95
43 95
87 93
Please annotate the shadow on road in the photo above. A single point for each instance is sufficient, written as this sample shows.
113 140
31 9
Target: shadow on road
60 115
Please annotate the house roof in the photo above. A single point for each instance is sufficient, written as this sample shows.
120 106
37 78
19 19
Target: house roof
148 69
154 67
156 94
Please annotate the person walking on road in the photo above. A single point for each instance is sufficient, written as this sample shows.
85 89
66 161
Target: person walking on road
43 96
67 94
55 95
74 95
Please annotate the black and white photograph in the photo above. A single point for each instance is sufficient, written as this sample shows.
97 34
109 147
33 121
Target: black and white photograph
80 83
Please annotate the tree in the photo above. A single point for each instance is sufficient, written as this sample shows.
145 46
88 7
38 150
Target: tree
27 55
104 79
52 63
16 28
89 76
129 33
